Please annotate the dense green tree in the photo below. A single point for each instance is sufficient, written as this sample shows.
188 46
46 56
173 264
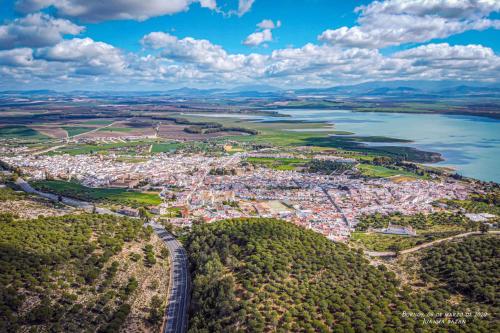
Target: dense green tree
265 275
49 258
470 266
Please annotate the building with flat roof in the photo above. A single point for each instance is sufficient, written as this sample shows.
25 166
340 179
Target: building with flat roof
394 229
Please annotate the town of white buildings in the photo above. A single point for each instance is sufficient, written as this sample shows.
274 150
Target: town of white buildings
329 204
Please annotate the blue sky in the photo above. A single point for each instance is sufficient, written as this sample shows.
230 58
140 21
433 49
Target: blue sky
288 43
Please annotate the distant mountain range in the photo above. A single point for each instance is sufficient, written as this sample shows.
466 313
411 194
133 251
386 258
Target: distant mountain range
388 89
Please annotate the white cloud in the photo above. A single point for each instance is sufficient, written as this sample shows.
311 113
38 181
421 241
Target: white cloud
244 6
190 61
327 65
158 40
445 52
259 37
16 57
263 33
200 52
394 22
464 62
36 30
89 57
102 10
444 8
269 24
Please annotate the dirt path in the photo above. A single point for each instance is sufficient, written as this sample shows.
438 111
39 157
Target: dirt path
92 131
48 150
425 245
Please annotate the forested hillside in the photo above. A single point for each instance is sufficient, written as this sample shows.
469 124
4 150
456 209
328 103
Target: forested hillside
264 275
470 267
79 273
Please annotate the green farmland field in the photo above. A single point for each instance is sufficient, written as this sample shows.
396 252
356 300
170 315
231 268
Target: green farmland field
278 163
15 131
105 195
164 147
76 130
116 129
379 171
88 148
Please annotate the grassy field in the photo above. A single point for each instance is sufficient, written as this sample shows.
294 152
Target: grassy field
116 129
111 195
76 130
98 122
278 163
165 147
382 242
379 171
130 159
14 131
87 149
173 212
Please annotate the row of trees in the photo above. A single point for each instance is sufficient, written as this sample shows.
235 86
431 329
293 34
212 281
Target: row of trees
417 221
328 167
204 129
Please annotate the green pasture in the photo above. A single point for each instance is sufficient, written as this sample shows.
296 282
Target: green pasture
17 131
105 195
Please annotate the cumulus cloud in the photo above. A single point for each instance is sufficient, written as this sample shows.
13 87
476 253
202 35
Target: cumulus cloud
444 8
99 10
269 24
259 37
210 4
244 6
36 30
325 64
17 57
190 61
465 62
88 56
444 51
264 35
194 51
158 39
394 22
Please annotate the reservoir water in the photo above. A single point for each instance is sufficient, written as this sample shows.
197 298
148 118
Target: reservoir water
469 144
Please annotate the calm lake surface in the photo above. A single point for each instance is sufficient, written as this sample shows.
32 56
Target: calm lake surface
469 144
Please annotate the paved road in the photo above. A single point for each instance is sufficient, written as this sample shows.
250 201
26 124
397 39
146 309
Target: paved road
26 187
178 301
344 218
425 245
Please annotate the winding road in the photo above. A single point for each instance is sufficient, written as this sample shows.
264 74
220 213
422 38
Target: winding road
176 316
179 286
